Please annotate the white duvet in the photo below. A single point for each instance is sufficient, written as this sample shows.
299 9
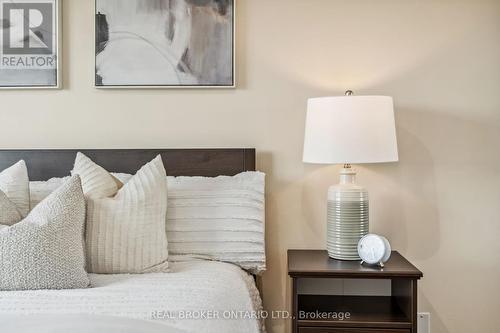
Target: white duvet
80 324
196 296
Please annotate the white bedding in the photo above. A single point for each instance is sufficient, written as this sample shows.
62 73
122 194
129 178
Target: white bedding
81 324
200 288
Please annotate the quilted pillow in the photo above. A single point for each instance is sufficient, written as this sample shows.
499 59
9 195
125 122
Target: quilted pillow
14 186
45 250
125 227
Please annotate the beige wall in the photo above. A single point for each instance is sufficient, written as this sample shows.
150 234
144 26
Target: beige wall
440 59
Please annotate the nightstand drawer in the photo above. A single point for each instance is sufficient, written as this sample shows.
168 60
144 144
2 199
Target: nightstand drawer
349 330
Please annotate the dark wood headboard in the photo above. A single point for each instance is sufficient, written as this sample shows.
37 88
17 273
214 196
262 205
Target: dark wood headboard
45 164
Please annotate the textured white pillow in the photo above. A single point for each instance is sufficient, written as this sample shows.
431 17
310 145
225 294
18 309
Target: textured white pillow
39 190
219 218
45 250
125 228
9 214
14 183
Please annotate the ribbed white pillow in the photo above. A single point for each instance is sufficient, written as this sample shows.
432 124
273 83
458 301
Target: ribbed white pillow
45 250
218 218
125 227
14 183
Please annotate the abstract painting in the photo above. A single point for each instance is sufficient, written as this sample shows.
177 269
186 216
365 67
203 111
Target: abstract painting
29 44
164 43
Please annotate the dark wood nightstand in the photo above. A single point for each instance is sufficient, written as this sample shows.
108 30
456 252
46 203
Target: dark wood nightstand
396 313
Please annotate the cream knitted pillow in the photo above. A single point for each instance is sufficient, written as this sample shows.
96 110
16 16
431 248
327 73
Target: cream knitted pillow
14 184
45 250
125 227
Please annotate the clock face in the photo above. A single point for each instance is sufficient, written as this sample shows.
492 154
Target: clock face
372 249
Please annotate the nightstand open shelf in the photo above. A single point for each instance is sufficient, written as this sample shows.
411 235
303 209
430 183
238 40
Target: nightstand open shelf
372 311
395 312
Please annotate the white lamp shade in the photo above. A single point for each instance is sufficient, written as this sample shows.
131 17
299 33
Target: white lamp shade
350 129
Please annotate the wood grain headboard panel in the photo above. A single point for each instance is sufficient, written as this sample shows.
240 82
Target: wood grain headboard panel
46 164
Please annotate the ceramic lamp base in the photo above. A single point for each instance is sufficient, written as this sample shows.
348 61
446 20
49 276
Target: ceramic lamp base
347 217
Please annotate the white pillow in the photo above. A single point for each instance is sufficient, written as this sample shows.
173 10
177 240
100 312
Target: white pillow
221 218
9 214
45 250
39 190
218 218
14 183
125 227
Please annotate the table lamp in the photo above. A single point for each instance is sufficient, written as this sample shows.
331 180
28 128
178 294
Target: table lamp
349 130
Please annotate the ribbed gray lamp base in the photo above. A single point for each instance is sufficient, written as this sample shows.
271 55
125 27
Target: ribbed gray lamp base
347 218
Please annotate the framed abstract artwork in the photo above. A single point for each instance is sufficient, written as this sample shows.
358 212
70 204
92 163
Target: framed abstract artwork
30 44
164 43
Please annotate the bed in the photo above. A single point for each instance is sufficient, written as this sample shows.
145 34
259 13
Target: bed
195 296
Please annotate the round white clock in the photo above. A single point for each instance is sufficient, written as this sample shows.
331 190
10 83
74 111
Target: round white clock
374 249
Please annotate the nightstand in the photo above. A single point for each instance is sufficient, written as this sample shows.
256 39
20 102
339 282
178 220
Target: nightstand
392 312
